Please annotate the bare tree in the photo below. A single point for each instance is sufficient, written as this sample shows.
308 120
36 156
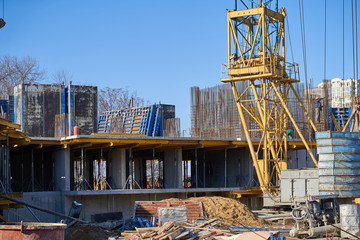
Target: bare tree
62 77
117 98
14 71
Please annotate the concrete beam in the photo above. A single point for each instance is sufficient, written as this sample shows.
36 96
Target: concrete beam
151 191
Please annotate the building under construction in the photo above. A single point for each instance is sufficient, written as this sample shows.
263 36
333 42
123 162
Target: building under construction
243 134
107 169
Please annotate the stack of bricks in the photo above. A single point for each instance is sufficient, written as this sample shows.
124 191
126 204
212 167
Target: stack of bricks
148 209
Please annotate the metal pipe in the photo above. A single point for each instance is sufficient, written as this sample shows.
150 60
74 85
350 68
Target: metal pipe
32 171
7 149
152 170
196 169
32 213
42 171
204 171
82 185
225 184
130 168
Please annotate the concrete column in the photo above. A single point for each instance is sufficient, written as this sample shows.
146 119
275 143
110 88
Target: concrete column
173 168
117 159
61 176
62 169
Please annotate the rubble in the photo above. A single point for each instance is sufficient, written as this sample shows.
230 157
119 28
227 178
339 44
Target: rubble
232 211
171 230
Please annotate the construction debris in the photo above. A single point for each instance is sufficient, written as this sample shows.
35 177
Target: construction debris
232 211
172 230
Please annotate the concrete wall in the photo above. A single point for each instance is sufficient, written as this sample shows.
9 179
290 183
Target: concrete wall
47 200
37 104
168 111
35 108
86 109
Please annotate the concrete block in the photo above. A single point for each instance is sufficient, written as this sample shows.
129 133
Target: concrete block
286 190
309 173
290 174
312 187
299 188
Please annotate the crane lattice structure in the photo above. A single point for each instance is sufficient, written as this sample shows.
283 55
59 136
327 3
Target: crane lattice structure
256 57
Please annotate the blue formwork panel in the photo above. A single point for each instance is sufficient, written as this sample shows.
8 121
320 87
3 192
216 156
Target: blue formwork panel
150 125
340 157
337 179
137 120
338 164
340 193
337 142
62 99
341 115
333 134
339 172
338 149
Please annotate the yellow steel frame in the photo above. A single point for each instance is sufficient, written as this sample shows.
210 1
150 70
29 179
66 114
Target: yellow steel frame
256 56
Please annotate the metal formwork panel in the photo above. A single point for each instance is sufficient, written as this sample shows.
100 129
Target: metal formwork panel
145 120
339 163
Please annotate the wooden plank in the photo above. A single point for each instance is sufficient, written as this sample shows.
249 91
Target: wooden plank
258 235
208 222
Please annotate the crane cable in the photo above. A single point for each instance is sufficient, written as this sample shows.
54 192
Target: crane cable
302 29
353 37
291 49
343 73
325 45
343 55
356 43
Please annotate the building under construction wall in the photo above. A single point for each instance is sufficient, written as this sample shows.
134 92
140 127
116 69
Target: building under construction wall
45 110
214 112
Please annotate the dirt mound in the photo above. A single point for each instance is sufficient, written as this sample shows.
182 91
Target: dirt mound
232 211
88 232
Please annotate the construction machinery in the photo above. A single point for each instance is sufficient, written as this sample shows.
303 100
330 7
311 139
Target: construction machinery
315 215
256 59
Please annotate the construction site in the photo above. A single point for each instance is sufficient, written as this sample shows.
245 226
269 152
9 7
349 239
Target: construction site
268 156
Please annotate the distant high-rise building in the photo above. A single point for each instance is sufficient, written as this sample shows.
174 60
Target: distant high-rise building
342 92
338 92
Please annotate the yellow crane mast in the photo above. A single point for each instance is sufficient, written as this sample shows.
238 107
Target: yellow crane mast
256 57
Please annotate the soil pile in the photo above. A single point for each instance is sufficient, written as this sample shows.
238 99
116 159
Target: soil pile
232 211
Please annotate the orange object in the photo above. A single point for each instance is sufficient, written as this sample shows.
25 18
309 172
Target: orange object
76 130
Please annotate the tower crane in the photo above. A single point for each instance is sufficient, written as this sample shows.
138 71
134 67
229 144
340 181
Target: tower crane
256 60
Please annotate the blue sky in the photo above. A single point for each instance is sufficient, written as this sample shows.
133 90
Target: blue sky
158 48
